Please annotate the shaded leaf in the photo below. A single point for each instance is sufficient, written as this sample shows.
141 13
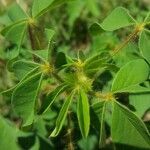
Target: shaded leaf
96 62
99 109
60 60
24 98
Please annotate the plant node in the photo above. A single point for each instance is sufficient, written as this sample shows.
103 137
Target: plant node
31 22
83 81
106 96
139 27
79 65
47 68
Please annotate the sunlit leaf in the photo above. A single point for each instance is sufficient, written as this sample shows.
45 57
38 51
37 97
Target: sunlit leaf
128 129
130 76
83 113
117 19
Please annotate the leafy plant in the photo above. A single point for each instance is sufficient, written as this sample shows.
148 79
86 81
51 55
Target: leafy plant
73 78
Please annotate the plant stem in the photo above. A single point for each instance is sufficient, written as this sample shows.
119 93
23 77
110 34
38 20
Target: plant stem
128 39
69 133
31 36
106 96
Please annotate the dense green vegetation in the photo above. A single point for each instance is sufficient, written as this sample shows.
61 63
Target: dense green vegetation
75 75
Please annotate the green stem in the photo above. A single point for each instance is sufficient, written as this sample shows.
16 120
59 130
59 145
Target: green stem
69 133
31 36
128 39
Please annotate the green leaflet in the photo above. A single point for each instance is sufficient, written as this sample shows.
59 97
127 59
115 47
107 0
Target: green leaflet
130 76
140 102
62 115
128 129
16 13
117 19
15 32
22 67
144 44
26 76
24 98
83 113
147 18
99 109
42 55
95 63
41 7
48 101
5 20
9 135
50 35
102 56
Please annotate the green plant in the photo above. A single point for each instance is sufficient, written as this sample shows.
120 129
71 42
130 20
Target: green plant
74 78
